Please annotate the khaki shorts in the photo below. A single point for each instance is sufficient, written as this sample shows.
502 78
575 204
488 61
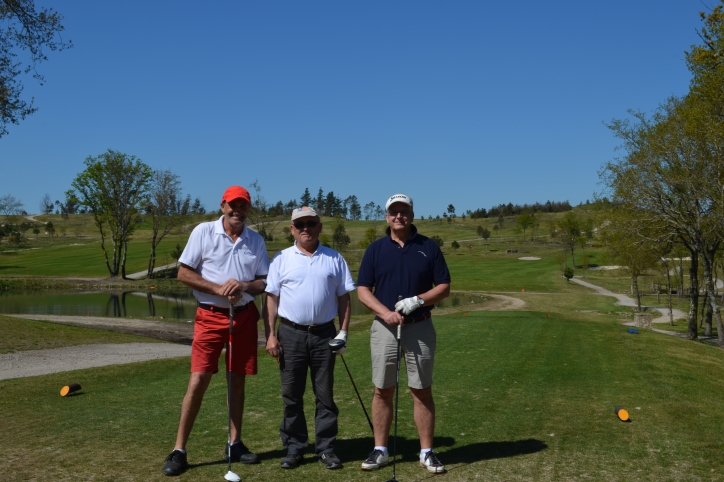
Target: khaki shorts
418 343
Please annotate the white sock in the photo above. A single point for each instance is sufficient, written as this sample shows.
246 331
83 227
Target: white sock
181 450
384 449
423 452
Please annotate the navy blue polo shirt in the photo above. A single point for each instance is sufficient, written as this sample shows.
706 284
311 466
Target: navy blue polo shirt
393 270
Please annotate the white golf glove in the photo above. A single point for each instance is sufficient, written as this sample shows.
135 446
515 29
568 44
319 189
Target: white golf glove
408 305
342 335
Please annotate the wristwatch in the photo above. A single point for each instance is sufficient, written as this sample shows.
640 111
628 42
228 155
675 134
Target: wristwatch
420 301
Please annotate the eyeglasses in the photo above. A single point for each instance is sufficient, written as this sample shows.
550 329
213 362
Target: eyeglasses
394 214
309 224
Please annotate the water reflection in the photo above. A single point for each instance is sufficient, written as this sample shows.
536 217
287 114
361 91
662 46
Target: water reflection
137 304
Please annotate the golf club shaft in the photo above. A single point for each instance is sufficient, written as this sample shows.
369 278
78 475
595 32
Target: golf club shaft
230 375
358 395
397 399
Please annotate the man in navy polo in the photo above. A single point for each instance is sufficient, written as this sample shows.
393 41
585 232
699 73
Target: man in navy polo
408 265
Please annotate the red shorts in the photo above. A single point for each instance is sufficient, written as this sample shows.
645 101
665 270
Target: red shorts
211 332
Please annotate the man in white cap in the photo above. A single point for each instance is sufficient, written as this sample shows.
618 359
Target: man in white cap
225 263
308 285
408 265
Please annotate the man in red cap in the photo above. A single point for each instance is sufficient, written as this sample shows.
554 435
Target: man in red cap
224 262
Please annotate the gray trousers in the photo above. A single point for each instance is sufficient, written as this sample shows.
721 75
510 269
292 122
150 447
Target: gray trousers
304 351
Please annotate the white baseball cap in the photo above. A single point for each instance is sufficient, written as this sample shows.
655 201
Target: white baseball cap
398 198
303 212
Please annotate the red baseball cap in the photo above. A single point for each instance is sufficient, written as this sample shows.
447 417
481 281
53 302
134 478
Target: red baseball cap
236 192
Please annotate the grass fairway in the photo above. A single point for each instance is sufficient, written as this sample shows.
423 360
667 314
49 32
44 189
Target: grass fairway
520 396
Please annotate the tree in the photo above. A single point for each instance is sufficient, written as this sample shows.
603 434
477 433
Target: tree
264 220
369 237
71 204
369 211
9 206
49 229
340 239
319 203
166 209
36 231
570 229
455 245
24 29
525 221
46 205
114 187
438 240
354 210
306 199
451 210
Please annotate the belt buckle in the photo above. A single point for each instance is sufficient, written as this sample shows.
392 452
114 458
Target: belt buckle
309 328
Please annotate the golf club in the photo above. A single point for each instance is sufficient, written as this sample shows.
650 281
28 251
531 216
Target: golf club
397 399
230 476
334 345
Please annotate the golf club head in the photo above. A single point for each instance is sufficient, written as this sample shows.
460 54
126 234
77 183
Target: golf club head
232 477
336 344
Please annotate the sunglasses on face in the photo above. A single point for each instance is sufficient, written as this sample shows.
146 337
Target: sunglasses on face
394 214
309 224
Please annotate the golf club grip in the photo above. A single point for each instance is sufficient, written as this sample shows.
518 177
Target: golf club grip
399 327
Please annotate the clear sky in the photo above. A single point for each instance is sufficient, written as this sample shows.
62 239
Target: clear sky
470 103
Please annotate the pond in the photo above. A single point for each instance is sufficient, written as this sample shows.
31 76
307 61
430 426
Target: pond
139 304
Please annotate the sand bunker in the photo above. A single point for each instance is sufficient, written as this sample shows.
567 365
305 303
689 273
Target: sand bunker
529 258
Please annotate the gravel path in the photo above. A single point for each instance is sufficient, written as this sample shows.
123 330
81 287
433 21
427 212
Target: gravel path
43 362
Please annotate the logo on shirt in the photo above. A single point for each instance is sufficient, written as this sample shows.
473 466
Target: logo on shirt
422 253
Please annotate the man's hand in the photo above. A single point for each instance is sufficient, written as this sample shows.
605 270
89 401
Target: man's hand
408 305
342 335
393 318
273 347
232 290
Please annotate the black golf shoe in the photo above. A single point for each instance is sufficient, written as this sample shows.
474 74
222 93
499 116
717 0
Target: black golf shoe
175 463
292 461
330 461
239 453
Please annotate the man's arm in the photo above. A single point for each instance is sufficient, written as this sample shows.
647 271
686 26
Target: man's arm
439 292
344 311
373 304
270 320
231 288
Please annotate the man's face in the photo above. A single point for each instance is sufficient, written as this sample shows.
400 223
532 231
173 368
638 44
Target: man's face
399 216
235 211
306 230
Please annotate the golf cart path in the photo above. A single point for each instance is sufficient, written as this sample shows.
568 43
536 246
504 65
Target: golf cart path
624 300
43 362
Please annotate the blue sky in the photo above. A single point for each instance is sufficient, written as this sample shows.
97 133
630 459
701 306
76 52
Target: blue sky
470 103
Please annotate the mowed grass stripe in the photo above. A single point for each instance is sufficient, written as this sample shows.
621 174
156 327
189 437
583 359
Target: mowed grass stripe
520 396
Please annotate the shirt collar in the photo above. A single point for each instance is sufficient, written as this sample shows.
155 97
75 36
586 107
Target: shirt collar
320 246
219 228
413 232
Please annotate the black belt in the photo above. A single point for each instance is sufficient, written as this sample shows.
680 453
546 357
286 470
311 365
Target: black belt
216 309
309 328
409 320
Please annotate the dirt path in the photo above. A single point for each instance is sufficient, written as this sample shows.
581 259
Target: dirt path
624 300
43 362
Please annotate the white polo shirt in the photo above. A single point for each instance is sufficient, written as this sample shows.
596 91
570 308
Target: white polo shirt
216 257
308 287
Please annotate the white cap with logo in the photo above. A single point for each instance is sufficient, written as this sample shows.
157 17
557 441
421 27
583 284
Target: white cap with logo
398 198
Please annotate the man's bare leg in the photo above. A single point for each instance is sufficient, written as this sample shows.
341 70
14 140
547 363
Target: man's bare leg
424 412
382 407
198 383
